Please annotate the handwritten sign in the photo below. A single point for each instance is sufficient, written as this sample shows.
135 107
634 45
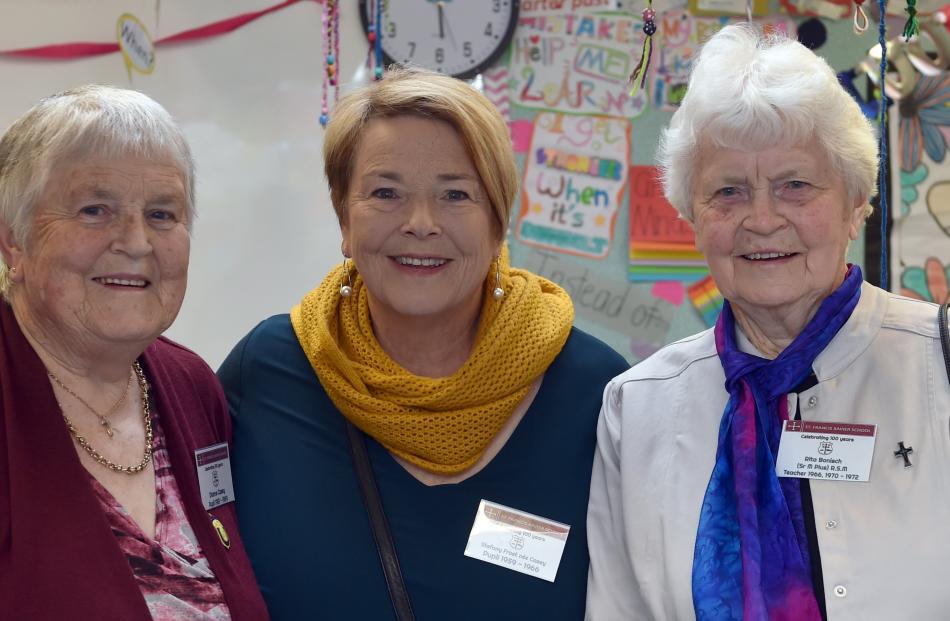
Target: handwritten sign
553 7
577 63
575 172
652 219
620 306
727 7
829 9
136 45
662 245
635 7
678 39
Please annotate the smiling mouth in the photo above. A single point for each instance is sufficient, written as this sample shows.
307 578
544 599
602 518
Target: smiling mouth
766 256
420 261
122 282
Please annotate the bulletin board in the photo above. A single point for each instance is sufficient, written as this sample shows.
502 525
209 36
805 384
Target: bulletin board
591 215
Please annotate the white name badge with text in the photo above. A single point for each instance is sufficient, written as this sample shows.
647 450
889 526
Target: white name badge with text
825 451
214 475
517 540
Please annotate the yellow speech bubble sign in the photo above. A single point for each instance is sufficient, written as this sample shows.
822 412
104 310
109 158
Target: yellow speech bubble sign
136 45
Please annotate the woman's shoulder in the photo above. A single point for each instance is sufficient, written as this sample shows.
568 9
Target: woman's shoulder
176 359
905 314
268 360
672 360
275 332
184 382
271 339
586 357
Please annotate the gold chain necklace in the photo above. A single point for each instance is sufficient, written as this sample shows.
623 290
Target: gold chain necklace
103 418
98 457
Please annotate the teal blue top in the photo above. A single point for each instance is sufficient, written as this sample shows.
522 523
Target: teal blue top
305 527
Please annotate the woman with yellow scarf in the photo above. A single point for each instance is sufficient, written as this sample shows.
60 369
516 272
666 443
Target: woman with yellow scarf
426 405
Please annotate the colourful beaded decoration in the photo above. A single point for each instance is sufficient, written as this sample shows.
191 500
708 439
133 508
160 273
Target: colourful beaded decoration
374 35
638 77
860 17
330 23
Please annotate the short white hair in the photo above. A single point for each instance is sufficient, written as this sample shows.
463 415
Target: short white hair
751 91
92 120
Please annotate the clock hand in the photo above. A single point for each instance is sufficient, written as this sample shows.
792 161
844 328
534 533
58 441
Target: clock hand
448 26
439 5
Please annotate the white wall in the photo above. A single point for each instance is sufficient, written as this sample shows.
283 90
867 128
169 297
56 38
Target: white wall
249 103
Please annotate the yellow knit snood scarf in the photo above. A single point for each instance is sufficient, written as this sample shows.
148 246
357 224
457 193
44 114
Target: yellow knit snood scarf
440 424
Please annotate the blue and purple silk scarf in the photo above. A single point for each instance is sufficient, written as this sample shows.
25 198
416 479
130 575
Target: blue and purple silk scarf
751 559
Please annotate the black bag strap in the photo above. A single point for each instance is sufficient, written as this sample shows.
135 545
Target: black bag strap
377 519
944 335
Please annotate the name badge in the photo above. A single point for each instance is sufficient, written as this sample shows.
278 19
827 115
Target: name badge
522 542
825 451
214 475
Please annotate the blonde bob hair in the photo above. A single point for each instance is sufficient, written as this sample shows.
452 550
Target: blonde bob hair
407 91
750 91
91 120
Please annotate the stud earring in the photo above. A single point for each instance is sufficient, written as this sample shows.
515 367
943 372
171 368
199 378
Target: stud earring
346 285
13 270
497 293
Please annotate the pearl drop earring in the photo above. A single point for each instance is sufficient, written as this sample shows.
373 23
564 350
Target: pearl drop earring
346 286
498 293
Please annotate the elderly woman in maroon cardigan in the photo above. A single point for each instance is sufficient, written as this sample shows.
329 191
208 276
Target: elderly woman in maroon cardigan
109 507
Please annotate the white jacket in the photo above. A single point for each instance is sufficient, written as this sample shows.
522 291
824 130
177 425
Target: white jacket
885 544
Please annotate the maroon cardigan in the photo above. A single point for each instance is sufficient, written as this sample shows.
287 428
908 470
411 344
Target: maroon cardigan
58 556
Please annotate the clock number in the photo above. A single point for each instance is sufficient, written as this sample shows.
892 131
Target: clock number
412 48
467 48
391 30
439 55
488 30
496 6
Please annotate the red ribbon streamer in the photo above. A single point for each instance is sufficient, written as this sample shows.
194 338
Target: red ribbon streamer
73 51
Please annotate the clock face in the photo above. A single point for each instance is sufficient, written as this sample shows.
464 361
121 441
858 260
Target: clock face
455 37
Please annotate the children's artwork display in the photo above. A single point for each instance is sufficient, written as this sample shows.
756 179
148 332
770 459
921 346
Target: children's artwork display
662 245
920 237
829 9
577 63
678 39
706 298
574 178
535 8
631 311
572 112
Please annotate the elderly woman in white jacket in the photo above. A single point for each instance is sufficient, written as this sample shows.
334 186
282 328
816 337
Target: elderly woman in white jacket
794 461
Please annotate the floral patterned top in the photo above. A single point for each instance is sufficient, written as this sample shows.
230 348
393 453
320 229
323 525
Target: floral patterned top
171 571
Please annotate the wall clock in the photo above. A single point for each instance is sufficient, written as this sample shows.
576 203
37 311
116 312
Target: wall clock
457 37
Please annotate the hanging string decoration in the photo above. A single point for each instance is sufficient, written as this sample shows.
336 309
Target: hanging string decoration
371 16
374 35
912 27
860 17
330 24
638 77
378 42
882 140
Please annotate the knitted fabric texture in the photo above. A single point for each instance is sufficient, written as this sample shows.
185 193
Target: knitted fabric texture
442 425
